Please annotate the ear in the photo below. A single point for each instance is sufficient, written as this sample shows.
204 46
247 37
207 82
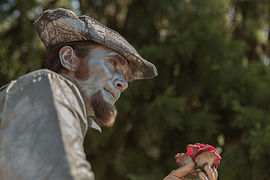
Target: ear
68 59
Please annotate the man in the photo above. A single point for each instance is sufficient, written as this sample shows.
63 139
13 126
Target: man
43 115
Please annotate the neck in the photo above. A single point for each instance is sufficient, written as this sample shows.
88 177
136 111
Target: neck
72 79
66 71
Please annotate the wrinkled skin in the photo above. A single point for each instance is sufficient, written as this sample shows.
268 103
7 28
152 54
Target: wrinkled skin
101 79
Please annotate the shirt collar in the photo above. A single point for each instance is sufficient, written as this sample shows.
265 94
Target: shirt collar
93 124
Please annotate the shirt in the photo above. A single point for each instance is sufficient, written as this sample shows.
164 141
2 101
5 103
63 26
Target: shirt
42 126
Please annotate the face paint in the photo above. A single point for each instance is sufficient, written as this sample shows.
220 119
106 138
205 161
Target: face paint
104 84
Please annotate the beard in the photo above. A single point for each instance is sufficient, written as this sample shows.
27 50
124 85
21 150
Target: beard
105 112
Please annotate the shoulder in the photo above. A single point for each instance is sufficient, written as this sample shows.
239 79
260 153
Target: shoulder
45 87
46 78
35 77
44 82
41 75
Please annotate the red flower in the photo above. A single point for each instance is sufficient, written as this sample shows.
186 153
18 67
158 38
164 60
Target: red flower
204 153
201 154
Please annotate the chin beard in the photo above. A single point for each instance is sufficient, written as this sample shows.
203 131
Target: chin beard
105 112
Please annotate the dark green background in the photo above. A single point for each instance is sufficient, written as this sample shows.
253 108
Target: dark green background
213 84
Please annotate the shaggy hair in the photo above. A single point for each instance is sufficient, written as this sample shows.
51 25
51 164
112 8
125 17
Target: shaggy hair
52 61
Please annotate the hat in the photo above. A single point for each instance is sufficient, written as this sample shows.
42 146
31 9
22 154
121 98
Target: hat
58 26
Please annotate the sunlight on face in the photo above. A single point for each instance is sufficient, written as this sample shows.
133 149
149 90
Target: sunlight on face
104 84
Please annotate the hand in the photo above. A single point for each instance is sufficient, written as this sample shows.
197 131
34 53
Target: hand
212 173
178 174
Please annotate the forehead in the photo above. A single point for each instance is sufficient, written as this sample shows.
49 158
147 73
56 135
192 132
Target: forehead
101 51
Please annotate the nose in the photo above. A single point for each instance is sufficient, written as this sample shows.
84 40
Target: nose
121 84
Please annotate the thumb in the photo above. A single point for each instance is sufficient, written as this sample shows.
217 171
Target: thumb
182 171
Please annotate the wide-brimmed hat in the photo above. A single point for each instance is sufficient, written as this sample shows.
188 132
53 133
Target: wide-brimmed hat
59 26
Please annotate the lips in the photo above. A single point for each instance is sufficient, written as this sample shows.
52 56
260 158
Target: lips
113 95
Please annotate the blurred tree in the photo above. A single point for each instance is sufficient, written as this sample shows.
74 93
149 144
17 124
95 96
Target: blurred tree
213 58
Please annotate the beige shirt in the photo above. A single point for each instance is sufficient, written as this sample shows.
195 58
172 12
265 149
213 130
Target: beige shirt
42 126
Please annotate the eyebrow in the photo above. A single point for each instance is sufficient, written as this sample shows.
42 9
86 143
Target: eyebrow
121 60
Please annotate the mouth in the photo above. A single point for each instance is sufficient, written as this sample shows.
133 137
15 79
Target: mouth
113 95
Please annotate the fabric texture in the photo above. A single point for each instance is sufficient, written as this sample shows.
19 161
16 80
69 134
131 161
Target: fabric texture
42 126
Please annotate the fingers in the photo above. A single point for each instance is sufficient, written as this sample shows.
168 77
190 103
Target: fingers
202 176
182 171
212 173
171 177
179 173
209 172
215 173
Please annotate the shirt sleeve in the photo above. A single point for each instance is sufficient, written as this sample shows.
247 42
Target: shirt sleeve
43 123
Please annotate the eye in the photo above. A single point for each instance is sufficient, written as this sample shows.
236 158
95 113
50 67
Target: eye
113 63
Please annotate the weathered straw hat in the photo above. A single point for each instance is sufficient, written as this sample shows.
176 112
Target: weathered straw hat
58 26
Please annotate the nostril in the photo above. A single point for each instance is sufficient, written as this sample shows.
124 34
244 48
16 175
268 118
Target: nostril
120 85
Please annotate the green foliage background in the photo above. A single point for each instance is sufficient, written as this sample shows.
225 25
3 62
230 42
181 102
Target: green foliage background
213 84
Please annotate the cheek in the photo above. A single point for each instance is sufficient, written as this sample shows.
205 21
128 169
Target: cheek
82 72
91 86
94 77
100 73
